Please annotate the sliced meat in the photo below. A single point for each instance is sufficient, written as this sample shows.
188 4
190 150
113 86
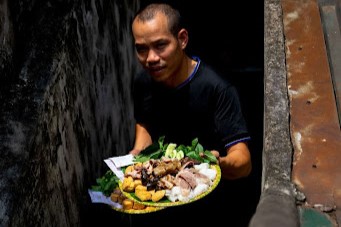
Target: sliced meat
188 177
202 178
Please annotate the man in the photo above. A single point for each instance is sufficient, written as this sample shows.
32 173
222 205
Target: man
182 98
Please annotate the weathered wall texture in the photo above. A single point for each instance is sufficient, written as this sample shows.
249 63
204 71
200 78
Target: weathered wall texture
65 72
277 205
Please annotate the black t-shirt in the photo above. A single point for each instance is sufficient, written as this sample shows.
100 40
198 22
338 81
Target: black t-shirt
205 106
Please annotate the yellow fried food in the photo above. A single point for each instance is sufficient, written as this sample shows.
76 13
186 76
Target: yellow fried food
127 204
143 195
138 206
139 164
114 197
137 182
128 184
121 198
158 195
150 208
129 169
140 188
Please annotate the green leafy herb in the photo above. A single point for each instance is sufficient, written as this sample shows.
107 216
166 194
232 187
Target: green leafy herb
159 149
107 183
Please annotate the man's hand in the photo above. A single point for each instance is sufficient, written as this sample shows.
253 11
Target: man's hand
135 151
237 163
142 139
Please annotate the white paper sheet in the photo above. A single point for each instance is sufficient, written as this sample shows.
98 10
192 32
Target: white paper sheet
99 197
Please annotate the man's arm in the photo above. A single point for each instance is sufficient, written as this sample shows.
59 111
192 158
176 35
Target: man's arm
142 139
237 163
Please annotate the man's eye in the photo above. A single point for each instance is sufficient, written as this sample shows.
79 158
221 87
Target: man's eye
140 49
161 46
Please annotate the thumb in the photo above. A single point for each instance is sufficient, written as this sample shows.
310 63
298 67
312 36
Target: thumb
215 153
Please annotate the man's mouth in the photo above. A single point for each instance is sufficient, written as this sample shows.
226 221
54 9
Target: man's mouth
155 69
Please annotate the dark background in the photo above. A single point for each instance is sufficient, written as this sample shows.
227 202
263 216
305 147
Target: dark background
230 37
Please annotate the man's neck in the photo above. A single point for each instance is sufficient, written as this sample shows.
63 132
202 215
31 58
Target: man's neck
185 70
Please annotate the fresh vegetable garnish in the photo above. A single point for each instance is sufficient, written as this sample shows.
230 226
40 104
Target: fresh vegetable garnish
107 183
172 150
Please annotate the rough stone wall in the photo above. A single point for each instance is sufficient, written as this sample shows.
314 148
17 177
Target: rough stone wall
65 104
6 42
277 205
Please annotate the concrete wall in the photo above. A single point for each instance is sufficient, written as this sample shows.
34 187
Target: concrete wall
65 104
277 205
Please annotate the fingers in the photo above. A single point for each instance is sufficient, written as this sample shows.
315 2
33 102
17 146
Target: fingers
135 152
215 153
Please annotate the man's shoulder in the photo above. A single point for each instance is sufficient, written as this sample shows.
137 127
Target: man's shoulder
212 75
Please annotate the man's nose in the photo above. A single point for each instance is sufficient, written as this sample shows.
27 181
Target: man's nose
152 56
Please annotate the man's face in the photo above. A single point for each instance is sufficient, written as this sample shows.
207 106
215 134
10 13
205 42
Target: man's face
158 51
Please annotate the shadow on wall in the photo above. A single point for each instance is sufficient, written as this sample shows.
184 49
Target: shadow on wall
65 105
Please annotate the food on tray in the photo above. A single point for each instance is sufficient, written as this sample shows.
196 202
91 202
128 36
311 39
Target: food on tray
108 185
173 151
143 195
179 180
158 195
170 172
162 175
127 204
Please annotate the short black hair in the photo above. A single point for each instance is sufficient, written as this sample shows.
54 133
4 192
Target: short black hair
173 15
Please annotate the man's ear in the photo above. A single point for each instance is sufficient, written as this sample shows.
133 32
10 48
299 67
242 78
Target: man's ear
183 38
